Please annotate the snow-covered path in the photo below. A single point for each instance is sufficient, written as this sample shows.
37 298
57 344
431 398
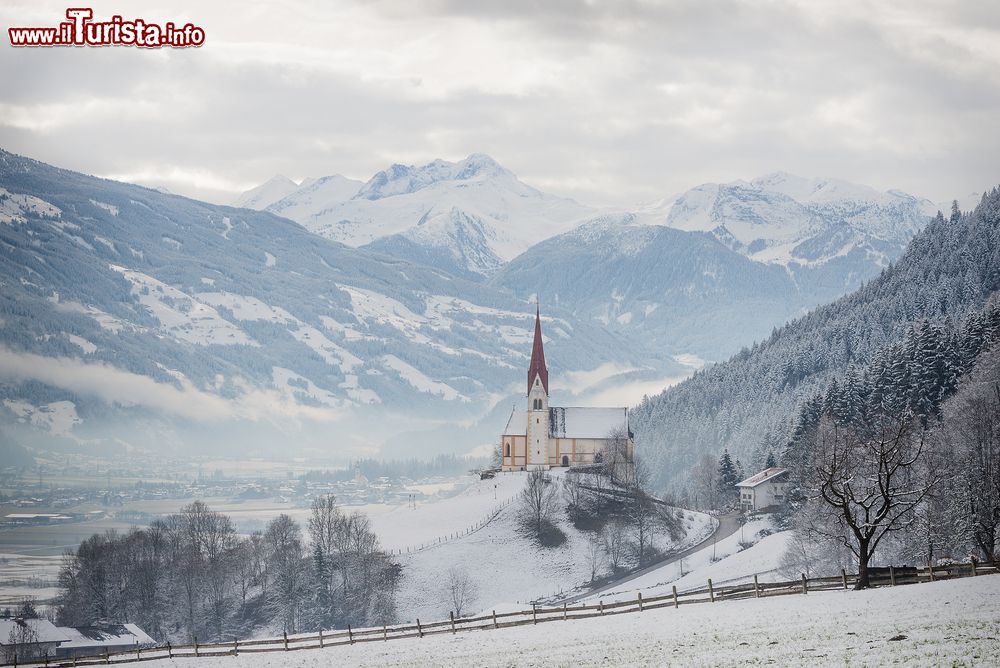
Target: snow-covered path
955 622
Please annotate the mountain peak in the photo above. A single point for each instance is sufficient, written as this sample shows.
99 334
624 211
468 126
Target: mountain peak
400 179
267 193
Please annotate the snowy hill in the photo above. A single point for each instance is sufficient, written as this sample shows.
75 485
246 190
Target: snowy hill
473 213
515 569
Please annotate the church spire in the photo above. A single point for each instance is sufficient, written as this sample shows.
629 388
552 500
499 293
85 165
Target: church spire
537 367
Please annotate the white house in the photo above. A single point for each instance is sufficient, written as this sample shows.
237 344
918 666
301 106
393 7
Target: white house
543 436
763 490
100 638
22 639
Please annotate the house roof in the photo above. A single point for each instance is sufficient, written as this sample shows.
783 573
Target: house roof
105 635
44 630
762 477
573 422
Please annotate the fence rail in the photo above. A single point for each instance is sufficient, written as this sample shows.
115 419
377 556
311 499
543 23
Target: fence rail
537 615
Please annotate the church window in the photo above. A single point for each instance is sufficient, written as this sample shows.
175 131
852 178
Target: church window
507 450
536 420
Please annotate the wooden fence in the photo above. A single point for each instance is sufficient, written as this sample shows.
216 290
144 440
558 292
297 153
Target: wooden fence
537 615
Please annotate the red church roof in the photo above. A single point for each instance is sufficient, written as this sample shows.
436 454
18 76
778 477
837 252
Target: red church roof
537 367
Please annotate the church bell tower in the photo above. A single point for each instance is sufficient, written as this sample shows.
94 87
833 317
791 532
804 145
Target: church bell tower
538 402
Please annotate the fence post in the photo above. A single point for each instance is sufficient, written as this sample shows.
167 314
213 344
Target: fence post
756 587
930 570
675 597
321 637
974 574
236 645
640 601
843 576
107 657
534 614
350 634
600 604
284 634
451 616
420 631
138 653
892 575
564 611
385 634
495 619
196 646
805 585
711 592
170 650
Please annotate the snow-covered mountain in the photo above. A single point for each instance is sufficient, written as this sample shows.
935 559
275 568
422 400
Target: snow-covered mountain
797 222
683 291
472 214
131 318
267 193
314 195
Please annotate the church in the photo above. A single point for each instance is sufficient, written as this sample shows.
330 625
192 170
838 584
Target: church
543 436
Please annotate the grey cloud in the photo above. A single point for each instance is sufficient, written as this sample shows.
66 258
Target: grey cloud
632 101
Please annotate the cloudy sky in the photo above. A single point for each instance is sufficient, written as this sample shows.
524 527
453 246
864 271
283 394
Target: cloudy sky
611 103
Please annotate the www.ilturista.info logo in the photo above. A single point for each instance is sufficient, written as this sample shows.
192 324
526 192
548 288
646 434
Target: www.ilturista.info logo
81 30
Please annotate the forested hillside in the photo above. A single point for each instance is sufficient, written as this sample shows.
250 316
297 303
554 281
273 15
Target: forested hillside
749 403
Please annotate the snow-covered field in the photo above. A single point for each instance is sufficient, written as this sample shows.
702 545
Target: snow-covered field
955 622
404 528
509 567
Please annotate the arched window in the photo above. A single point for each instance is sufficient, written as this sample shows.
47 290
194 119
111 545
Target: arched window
506 451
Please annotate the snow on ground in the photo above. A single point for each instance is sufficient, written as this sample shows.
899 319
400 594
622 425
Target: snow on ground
83 344
246 308
13 206
509 567
58 417
23 575
953 622
409 528
725 562
183 316
421 382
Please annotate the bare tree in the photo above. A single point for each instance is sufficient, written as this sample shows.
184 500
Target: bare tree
868 479
461 589
22 642
595 554
538 500
616 455
615 538
703 478
971 428
641 510
285 551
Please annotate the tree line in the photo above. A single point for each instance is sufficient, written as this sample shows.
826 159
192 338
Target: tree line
191 575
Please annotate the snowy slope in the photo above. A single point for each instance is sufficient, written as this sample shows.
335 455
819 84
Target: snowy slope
943 623
508 567
314 195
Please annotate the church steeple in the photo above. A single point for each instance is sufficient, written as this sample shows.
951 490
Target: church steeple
537 367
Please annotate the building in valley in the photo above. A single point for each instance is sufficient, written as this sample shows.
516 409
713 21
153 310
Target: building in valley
764 490
543 436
